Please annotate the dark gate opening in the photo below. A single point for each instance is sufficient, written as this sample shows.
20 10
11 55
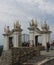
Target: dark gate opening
36 40
10 42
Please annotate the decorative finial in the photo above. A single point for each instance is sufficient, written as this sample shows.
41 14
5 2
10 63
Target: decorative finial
36 23
5 29
48 27
8 30
32 23
45 22
14 25
17 25
44 26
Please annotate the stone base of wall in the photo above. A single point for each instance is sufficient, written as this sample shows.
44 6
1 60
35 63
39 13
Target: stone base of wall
13 56
6 58
23 54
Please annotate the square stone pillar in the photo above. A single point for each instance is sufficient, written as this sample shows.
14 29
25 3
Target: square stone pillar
6 42
15 39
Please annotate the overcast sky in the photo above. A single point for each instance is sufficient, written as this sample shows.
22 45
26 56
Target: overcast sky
24 10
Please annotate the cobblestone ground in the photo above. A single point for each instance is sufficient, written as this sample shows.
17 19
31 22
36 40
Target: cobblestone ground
51 62
45 53
48 54
36 59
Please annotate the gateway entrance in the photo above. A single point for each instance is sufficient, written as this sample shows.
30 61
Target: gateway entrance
36 40
10 42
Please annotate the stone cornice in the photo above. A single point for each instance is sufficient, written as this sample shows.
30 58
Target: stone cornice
6 34
42 32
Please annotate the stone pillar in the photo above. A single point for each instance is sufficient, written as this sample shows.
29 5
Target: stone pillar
6 42
48 37
45 39
6 38
45 33
31 38
32 27
16 34
15 39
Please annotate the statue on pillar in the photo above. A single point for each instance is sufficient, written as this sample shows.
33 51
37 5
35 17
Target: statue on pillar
33 23
6 29
17 25
45 26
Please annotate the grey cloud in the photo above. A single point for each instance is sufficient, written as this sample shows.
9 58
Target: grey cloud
10 10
